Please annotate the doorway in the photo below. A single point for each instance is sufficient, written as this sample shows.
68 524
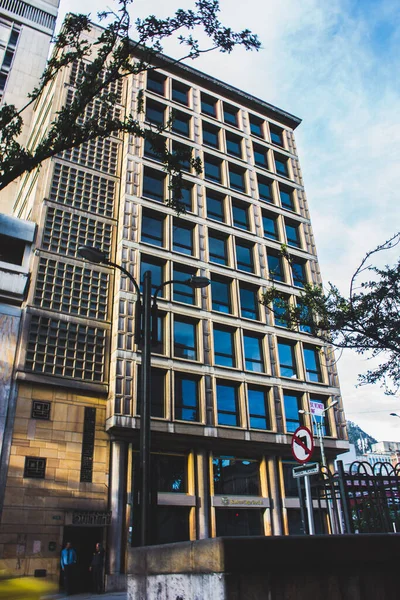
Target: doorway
84 540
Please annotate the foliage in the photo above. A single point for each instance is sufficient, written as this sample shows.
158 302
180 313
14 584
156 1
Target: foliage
367 321
361 440
111 60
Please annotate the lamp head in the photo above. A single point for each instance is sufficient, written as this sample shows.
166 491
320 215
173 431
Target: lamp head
198 282
302 412
94 255
394 415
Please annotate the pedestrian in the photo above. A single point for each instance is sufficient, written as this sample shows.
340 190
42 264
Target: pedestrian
68 563
96 568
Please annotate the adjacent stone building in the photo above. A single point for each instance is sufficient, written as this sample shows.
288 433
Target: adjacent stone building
228 377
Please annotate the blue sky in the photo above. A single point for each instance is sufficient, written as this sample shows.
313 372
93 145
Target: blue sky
336 65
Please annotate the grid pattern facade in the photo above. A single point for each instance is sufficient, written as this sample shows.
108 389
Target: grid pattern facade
83 190
65 349
99 154
71 289
64 232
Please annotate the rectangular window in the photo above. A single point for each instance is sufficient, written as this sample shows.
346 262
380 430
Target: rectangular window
227 406
155 112
183 292
213 168
150 152
157 272
152 228
275 267
40 410
186 398
187 196
293 233
253 353
287 200
305 317
240 214
323 419
244 257
281 164
224 347
182 234
234 145
218 249
287 359
230 115
156 82
276 135
258 408
292 407
184 154
264 189
185 345
208 105
35 467
153 184
181 123
237 179
260 156
249 305
221 295
215 206
256 126
236 476
270 224
89 429
157 404
280 309
210 135
180 92
299 272
312 364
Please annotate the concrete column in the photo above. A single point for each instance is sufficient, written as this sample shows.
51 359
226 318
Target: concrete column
116 533
202 492
275 495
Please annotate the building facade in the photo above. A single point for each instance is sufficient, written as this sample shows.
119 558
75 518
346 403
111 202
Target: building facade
26 29
228 378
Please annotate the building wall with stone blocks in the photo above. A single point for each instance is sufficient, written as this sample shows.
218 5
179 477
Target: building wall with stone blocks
36 510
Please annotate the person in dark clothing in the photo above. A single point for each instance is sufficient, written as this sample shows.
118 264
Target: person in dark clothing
68 562
96 568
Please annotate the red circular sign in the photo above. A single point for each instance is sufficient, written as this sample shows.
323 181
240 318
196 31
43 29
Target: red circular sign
302 444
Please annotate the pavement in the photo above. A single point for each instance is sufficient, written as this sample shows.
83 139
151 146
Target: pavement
89 596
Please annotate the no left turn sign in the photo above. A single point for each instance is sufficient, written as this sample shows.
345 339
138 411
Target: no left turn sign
302 444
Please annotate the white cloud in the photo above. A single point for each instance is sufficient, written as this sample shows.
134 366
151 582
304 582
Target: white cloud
337 70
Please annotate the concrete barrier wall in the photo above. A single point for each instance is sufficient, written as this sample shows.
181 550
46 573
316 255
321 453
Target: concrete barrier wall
358 567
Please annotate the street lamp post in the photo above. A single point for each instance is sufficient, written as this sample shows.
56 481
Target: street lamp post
145 334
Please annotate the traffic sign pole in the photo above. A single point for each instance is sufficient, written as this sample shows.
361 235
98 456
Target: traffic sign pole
310 513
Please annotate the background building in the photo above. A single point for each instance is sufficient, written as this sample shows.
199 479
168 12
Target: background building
228 377
26 29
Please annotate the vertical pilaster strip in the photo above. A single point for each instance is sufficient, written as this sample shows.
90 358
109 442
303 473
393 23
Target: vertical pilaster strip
118 476
275 496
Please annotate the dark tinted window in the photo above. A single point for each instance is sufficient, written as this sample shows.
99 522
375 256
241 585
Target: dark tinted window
240 213
236 476
185 339
227 406
156 82
237 178
293 233
157 271
230 115
275 267
153 184
292 407
312 364
239 522
253 353
299 272
155 112
218 249
264 189
234 145
180 92
224 347
212 169
182 237
215 206
286 198
152 228
270 226
281 164
249 306
181 291
276 136
186 398
221 295
256 126
208 105
258 408
260 156
287 360
210 135
157 392
181 123
244 257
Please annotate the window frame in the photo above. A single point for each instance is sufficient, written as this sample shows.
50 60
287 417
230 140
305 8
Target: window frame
217 163
219 383
241 206
194 349
237 172
293 366
230 356
155 175
155 217
253 415
260 360
179 224
211 129
204 97
317 370
233 111
215 279
178 84
157 107
182 117
244 287
213 235
234 139
156 75
216 196
179 395
274 220
240 264
300 419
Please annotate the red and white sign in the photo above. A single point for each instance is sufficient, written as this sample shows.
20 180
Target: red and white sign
317 408
302 444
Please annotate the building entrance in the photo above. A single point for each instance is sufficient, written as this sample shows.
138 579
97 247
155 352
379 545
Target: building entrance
84 540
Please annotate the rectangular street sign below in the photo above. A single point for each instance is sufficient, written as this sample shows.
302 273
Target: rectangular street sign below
308 469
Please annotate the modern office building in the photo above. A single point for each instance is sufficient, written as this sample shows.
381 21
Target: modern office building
228 378
26 28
